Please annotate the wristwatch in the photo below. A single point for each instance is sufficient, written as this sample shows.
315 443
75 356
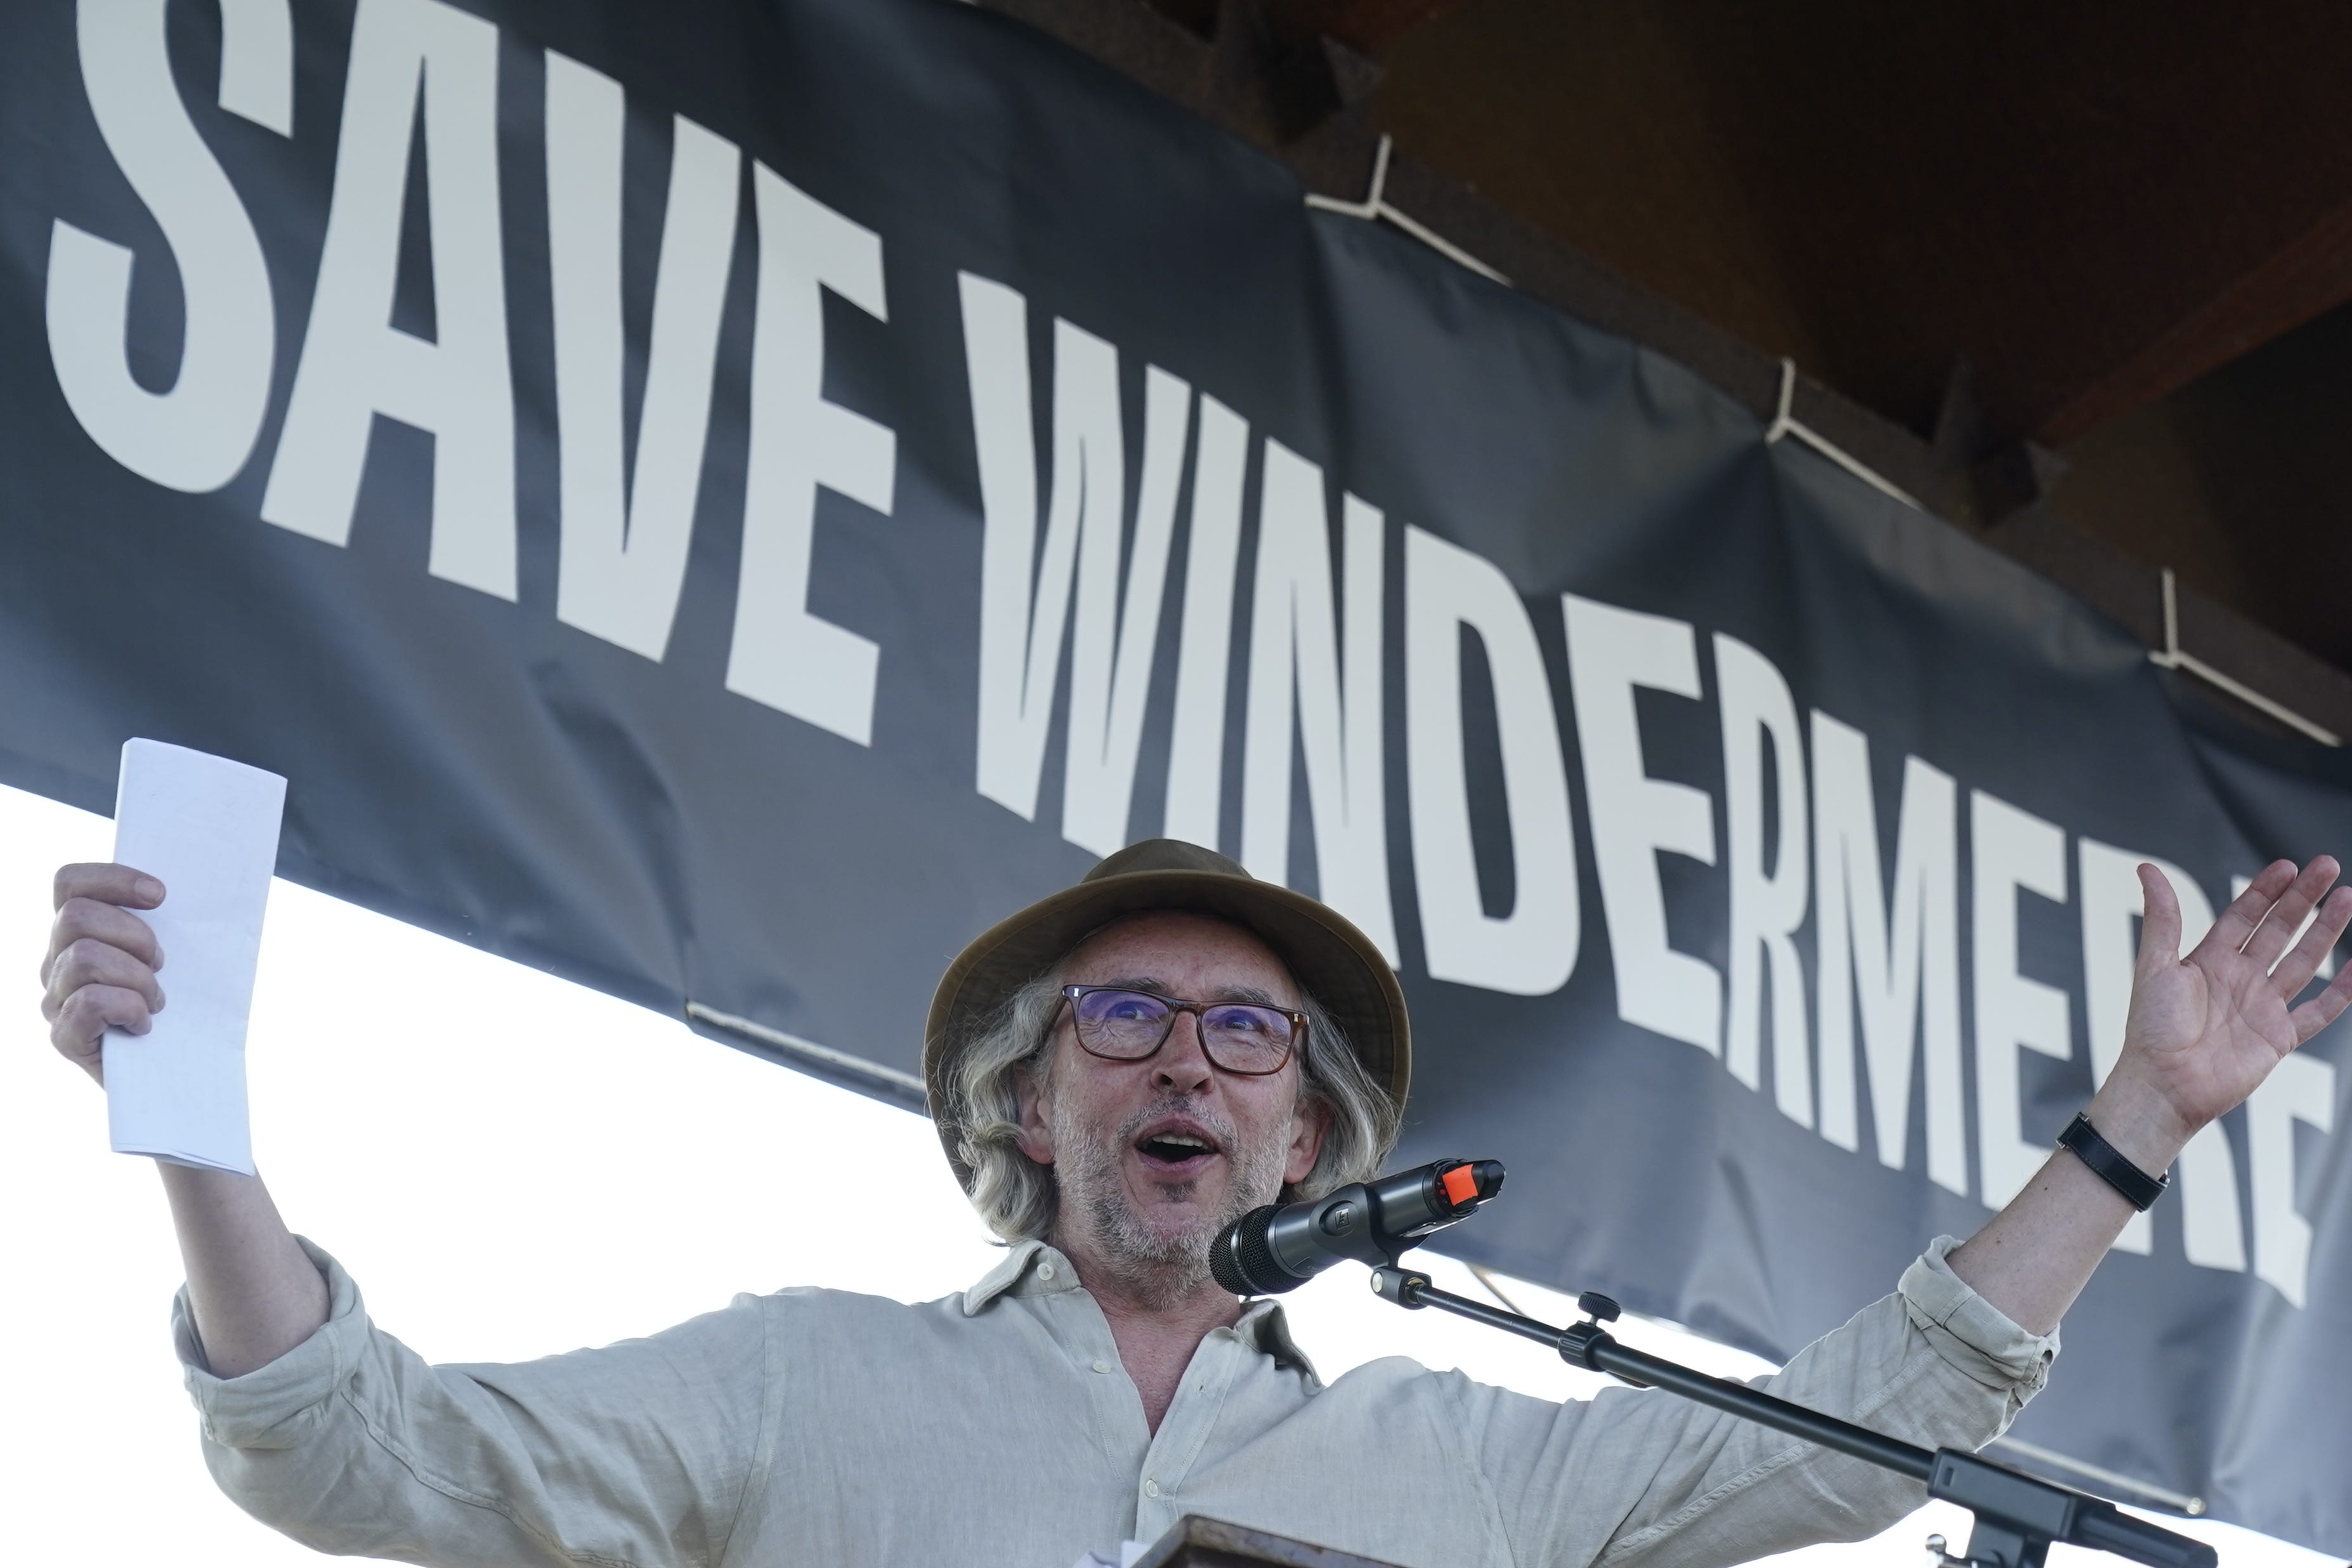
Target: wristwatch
2139 1189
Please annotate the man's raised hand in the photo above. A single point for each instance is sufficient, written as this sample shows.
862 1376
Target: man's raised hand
2205 1030
100 971
253 1291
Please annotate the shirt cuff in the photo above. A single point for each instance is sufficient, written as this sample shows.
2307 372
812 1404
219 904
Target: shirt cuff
274 1406
1968 1332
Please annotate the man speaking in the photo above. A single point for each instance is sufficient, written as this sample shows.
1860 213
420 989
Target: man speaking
1117 1072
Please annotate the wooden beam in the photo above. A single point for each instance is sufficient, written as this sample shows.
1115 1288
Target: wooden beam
1364 25
2301 281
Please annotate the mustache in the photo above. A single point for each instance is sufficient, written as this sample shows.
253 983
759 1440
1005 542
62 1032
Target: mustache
1216 1125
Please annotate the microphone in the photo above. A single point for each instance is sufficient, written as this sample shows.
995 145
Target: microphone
1281 1246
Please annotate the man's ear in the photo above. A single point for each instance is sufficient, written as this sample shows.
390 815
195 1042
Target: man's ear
1036 1139
1308 1122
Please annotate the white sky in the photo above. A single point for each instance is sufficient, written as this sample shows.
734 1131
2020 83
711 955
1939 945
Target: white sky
511 1166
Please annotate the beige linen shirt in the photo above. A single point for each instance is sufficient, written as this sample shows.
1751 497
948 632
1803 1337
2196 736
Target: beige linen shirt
998 1427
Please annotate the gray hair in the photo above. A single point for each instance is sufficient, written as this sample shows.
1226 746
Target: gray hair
1018 1197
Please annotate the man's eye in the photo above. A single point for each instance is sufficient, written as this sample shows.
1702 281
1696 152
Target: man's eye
1239 1021
1125 1007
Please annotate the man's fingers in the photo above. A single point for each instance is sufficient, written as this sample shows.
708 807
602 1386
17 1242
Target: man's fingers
107 883
90 919
2246 911
81 1042
2294 971
93 962
81 1023
2285 916
2323 1009
99 971
2160 926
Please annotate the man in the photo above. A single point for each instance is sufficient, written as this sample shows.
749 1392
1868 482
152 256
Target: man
1118 1071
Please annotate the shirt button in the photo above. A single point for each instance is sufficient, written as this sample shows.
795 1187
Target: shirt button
1102 1366
1045 1271
1151 1488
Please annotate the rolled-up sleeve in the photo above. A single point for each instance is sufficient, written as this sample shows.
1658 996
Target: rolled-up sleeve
635 1454
1972 1335
1649 1478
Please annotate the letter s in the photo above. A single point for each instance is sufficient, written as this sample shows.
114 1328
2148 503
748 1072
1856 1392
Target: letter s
196 436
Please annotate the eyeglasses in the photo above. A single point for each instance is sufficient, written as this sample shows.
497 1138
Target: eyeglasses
1239 1037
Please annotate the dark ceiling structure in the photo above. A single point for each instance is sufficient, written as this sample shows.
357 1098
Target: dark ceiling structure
2095 207
2092 204
2073 276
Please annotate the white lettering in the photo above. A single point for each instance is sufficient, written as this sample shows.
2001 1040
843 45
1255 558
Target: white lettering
1196 744
1021 632
625 545
1295 650
1112 647
1766 907
196 436
2010 850
1531 952
782 655
1020 655
1021 646
1902 956
2300 1089
355 364
1634 816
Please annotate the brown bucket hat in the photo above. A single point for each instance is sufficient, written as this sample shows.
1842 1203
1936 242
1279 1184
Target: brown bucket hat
1337 963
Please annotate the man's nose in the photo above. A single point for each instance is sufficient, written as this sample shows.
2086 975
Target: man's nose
1183 1064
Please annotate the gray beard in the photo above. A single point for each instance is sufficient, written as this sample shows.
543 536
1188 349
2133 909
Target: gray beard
1157 1265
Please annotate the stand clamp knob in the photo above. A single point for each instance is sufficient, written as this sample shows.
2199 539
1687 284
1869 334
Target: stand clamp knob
1581 1338
1939 1554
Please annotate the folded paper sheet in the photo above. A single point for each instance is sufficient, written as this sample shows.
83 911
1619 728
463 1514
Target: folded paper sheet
207 828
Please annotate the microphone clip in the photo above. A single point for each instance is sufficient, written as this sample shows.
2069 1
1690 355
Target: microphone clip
1402 1286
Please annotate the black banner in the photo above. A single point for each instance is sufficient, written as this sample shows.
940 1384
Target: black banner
725 500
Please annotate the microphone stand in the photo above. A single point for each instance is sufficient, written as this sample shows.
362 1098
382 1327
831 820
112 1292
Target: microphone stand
2018 1516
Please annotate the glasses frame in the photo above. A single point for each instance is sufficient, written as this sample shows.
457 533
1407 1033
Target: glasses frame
1176 1005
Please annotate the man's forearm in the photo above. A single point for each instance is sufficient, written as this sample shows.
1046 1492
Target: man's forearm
2202 1033
2033 1258
255 1293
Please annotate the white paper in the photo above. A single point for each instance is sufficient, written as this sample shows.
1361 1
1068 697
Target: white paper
207 828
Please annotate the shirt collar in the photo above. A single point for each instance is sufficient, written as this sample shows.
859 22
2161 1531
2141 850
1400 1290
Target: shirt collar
1009 1272
1035 1269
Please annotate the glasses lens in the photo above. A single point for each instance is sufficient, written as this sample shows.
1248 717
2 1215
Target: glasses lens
1121 1023
1247 1039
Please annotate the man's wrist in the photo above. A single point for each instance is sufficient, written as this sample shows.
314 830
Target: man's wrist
2140 1123
2135 1186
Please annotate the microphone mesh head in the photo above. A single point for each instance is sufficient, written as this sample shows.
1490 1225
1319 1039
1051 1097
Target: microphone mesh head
1244 1263
1221 1262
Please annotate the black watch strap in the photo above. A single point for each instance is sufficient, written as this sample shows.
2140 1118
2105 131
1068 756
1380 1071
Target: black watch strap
2139 1189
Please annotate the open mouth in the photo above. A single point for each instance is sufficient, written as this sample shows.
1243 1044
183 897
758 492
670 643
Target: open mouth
1176 1151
